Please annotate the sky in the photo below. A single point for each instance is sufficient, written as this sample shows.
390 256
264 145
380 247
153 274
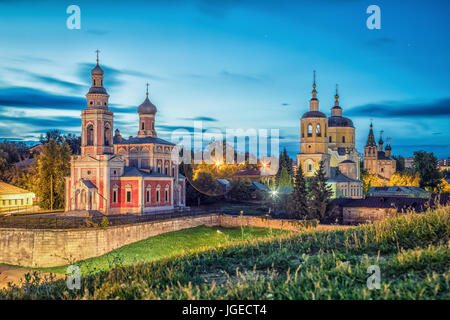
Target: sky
231 64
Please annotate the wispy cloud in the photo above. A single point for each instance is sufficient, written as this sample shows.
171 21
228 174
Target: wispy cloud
435 108
207 119
27 97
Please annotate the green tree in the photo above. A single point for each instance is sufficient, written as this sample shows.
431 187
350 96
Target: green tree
426 165
284 162
285 179
53 166
400 163
239 189
298 200
320 195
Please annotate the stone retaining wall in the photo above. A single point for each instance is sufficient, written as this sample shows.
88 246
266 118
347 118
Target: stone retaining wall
56 247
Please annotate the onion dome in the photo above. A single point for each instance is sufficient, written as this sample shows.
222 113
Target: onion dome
147 107
98 71
336 119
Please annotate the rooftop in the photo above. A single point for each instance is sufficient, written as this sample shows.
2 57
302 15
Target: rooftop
6 188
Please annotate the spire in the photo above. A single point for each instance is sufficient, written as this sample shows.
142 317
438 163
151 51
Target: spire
371 138
314 103
97 51
336 97
147 90
380 142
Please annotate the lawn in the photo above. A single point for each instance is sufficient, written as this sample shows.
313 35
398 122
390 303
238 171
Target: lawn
168 245
412 253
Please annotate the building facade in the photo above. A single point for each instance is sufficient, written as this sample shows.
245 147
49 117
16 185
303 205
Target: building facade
114 175
376 160
331 140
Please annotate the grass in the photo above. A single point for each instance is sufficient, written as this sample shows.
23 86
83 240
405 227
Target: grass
412 252
167 245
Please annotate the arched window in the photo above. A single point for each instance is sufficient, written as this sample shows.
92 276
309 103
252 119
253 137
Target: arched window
148 194
107 135
166 193
318 133
142 127
159 166
310 130
343 139
90 135
173 171
158 190
329 139
166 169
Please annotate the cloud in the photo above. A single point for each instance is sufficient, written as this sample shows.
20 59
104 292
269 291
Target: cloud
48 124
435 108
207 119
27 97
46 80
285 104
113 77
229 76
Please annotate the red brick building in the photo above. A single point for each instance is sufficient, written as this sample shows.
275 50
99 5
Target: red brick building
115 175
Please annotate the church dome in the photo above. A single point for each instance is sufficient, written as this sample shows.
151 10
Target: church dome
147 107
97 71
314 114
335 121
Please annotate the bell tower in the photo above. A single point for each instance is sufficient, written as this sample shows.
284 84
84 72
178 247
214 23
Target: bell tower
147 111
96 119
371 153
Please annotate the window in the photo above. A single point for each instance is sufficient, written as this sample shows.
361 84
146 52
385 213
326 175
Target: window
90 135
128 196
147 196
157 193
91 102
309 167
107 134
343 139
318 133
330 139
173 172
115 196
142 126
166 170
310 130
166 193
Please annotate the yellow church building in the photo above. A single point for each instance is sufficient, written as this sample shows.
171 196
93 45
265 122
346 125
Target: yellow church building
331 140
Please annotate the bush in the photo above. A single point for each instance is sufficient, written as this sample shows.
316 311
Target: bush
104 223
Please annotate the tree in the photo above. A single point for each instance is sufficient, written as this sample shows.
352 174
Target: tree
426 165
404 179
298 200
239 189
53 167
320 195
369 181
285 179
400 163
284 162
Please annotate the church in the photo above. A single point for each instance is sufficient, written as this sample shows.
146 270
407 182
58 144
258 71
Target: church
331 140
114 175
379 161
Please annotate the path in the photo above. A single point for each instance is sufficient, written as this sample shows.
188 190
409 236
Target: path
15 274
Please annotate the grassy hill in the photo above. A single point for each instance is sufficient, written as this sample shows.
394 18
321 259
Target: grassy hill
412 252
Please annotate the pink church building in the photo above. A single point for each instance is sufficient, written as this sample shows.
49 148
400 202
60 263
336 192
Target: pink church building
114 175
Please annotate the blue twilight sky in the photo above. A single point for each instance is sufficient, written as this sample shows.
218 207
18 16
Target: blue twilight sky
233 64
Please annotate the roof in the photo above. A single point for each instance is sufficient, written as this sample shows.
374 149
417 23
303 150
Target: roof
135 172
419 204
97 90
314 114
347 161
259 186
337 121
224 182
338 176
89 184
382 156
6 188
371 138
398 191
142 140
247 172
285 189
147 107
97 70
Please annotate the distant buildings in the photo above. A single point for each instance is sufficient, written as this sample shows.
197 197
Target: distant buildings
409 163
444 164
378 161
13 198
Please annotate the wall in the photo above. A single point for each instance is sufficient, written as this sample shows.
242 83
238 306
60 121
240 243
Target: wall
54 247
359 215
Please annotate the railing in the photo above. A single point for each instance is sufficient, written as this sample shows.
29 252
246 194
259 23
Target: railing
66 222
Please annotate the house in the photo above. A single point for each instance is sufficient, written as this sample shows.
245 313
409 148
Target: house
399 191
13 198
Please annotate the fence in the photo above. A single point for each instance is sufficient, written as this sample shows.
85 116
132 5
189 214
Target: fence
62 222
